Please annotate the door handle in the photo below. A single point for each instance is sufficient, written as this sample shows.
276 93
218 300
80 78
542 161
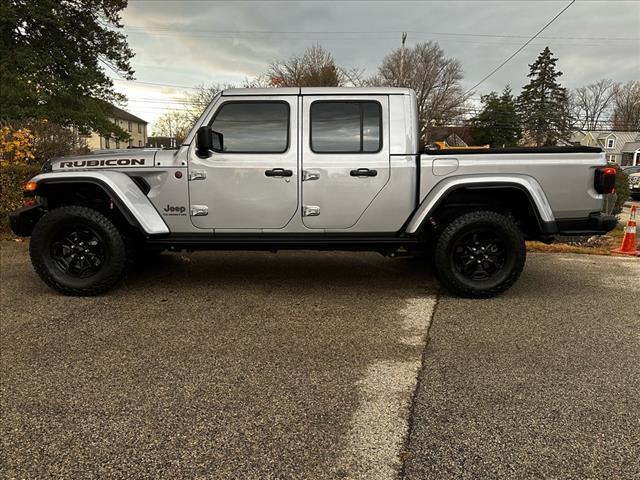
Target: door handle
278 172
364 172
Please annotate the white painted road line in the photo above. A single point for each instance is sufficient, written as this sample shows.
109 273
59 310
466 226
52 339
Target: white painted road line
381 423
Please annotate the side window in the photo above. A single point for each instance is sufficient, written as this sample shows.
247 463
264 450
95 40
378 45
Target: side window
346 127
253 127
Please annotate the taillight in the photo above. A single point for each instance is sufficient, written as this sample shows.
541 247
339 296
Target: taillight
605 180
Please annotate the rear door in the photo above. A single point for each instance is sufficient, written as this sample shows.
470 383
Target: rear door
252 183
345 158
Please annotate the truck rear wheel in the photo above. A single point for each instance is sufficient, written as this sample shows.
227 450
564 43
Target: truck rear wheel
77 251
480 254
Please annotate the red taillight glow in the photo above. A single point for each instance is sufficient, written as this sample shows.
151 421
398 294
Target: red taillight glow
605 180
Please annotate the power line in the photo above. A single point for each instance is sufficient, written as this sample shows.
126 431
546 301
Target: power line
156 84
236 33
490 74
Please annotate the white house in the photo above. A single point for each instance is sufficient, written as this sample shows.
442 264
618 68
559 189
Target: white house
622 148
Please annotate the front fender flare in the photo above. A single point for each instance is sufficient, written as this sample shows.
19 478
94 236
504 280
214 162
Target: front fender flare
127 196
525 183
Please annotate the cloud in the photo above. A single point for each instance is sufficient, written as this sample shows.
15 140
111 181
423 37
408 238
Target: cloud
192 43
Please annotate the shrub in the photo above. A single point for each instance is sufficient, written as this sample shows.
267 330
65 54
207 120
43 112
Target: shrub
24 147
16 146
12 178
16 166
622 190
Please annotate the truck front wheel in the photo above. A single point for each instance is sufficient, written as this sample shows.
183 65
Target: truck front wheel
480 254
77 251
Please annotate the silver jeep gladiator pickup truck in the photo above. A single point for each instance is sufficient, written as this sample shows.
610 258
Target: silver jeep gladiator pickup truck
317 169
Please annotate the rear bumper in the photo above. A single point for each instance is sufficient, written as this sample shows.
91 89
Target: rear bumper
24 219
594 224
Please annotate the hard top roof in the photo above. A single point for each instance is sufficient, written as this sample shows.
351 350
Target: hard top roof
318 91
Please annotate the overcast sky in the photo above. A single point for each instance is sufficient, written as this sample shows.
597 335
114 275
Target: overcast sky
190 43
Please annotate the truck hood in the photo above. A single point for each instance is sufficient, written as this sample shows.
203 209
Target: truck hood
118 159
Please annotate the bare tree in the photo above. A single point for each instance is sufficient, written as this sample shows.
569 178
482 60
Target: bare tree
435 79
173 124
353 77
626 112
593 102
314 68
198 101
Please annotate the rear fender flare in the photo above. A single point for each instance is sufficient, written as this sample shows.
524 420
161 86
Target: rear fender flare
524 183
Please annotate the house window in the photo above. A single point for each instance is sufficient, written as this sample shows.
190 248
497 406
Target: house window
130 127
253 127
611 142
106 142
139 128
346 127
130 143
611 158
139 143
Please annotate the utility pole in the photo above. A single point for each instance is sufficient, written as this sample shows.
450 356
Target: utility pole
404 39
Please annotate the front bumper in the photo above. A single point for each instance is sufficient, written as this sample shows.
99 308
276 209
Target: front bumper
594 224
24 219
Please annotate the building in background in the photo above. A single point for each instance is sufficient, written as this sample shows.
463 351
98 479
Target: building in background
134 126
162 142
620 147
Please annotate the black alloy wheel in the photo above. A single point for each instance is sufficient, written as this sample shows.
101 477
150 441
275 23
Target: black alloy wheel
479 254
78 251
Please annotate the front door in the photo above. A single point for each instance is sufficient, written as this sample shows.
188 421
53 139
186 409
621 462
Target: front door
345 158
252 183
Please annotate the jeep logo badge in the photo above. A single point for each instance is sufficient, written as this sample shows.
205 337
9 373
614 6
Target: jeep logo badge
174 210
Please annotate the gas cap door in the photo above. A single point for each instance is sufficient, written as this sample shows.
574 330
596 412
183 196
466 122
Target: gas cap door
444 166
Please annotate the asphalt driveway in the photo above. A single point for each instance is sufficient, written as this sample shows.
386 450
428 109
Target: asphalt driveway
313 365
543 382
214 365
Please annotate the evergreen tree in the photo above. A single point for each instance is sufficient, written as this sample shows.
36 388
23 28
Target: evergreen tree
543 104
53 56
498 124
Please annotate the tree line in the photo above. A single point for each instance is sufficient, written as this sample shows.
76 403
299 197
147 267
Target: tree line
54 59
542 114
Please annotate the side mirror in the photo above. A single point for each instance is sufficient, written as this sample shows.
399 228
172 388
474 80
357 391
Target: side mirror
208 140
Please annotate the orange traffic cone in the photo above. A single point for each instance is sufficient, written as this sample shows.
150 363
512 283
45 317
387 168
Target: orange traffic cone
628 246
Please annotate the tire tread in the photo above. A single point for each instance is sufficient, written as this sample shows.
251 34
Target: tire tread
117 265
446 276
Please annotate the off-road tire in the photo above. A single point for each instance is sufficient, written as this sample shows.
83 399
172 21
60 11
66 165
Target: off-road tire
514 261
44 234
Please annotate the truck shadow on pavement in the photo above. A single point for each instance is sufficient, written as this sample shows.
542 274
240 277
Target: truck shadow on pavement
327 269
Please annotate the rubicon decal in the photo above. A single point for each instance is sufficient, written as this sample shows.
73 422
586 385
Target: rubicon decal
112 162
